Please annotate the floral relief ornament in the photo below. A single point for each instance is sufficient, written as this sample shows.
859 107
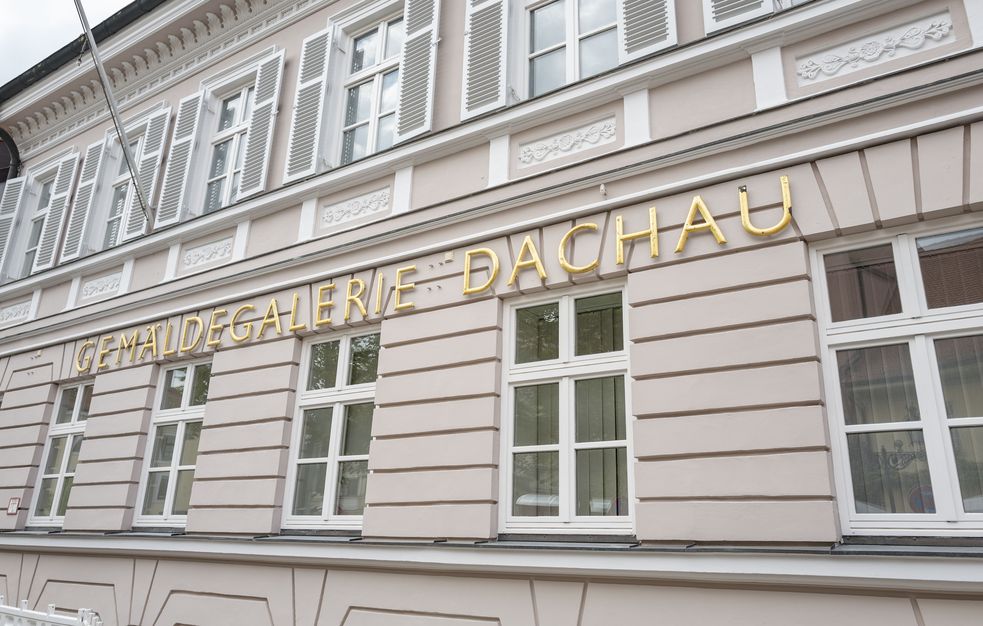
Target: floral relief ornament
15 312
570 142
208 252
102 285
913 38
364 205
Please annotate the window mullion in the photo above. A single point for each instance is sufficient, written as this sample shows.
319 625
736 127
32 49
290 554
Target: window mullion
933 430
565 461
909 290
573 42
334 451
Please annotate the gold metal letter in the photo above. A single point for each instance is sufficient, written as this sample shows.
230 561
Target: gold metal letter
699 206
400 288
150 343
127 342
104 351
355 297
82 360
323 305
294 326
380 281
272 318
620 237
167 340
211 339
562 252
199 331
528 247
248 326
782 223
488 252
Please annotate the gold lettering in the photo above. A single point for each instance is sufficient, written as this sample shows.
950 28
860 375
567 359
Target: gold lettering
380 281
782 223
127 343
211 340
104 351
272 318
248 326
150 343
488 252
699 206
400 288
528 247
199 332
82 360
323 305
652 232
294 326
167 340
354 297
562 251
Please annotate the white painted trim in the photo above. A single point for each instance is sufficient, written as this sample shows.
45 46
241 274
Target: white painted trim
403 191
35 303
769 78
974 16
125 276
498 160
73 293
638 118
240 240
173 255
308 219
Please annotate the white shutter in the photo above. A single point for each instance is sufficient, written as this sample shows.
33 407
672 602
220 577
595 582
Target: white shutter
309 110
259 138
485 34
718 14
177 185
148 169
417 69
82 206
646 26
54 220
11 204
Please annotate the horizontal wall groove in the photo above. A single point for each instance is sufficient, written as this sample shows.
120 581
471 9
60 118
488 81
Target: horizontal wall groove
713 292
24 425
238 450
244 370
120 435
250 394
236 478
744 498
722 252
729 454
428 503
431 401
429 338
132 409
23 387
115 390
10 407
213 507
734 409
430 468
109 459
727 368
434 433
101 483
265 420
417 370
22 445
722 329
93 507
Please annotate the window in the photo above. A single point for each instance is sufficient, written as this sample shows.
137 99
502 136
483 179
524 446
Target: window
173 445
371 90
121 198
228 149
37 226
330 452
903 323
567 423
61 453
570 40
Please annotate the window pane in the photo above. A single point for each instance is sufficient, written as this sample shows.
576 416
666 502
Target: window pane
359 105
112 232
599 327
536 484
199 384
352 476
56 453
877 385
214 195
309 488
173 388
229 113
364 51
547 26
365 360
386 133
86 403
395 37
153 501
355 144
598 53
600 411
596 13
388 95
890 472
163 452
951 268
967 447
602 482
73 454
537 414
220 158
182 492
961 371
119 199
862 283
358 429
189 446
324 366
548 72
315 437
66 489
537 333
67 405
45 198
46 496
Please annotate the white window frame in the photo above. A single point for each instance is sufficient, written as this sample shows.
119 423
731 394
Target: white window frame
237 133
118 180
36 213
182 416
74 427
566 369
338 397
917 326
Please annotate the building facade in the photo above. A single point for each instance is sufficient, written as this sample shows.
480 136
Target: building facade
518 312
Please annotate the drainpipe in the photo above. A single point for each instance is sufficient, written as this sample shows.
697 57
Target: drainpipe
8 141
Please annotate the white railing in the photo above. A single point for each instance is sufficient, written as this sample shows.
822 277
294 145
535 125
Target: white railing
23 616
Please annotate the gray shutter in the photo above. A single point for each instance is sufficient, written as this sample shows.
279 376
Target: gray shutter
54 220
308 121
85 197
11 205
177 186
485 34
646 26
718 14
417 69
259 138
148 169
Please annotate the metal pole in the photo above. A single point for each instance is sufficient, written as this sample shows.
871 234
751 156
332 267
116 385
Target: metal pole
120 131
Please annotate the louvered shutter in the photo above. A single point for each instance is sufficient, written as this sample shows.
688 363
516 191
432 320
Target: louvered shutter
148 170
11 205
646 26
178 175
54 220
309 110
718 14
485 34
417 69
85 197
259 138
